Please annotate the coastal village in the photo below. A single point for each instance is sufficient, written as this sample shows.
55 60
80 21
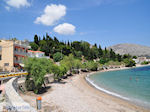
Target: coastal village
74 55
12 56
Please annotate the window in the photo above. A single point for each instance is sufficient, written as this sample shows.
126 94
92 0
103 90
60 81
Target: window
16 49
6 64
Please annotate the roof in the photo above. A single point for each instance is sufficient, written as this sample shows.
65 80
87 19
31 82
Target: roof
35 51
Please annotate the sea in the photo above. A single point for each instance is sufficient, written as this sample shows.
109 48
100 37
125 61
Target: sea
129 84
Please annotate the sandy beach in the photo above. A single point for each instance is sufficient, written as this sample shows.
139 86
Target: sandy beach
76 95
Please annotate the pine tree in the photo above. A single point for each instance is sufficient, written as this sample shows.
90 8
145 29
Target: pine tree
36 40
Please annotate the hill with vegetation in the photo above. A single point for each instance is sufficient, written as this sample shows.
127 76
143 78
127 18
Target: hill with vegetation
72 57
80 49
132 49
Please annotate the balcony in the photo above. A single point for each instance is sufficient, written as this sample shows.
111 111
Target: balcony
20 53
24 43
18 61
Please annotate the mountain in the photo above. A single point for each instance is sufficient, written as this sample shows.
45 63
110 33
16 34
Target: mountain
132 49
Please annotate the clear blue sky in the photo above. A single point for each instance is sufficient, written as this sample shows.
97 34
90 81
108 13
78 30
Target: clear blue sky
105 22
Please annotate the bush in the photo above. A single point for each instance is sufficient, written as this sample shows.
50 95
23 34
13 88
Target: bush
129 62
114 63
145 63
103 60
71 63
59 71
93 66
57 57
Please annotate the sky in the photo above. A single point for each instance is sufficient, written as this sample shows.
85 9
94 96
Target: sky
105 22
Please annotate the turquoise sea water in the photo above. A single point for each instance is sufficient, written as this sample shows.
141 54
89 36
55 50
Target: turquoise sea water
131 84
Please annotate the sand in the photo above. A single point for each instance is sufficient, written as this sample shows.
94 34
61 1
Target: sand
76 95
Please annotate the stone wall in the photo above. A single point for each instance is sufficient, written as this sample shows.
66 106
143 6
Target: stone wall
14 101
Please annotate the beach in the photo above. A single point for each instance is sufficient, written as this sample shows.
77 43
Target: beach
76 95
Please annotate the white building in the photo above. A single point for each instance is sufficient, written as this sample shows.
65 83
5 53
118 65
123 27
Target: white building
139 60
37 54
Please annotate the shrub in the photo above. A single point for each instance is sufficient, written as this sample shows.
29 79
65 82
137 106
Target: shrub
145 63
93 66
57 57
129 62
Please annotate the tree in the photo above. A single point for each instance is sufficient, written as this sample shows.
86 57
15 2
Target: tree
145 63
36 40
68 62
58 57
37 69
34 46
134 57
78 54
103 60
129 62
14 39
100 51
119 57
112 55
71 63
59 71
44 47
91 65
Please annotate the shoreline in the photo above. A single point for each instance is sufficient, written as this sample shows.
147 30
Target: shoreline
75 94
116 95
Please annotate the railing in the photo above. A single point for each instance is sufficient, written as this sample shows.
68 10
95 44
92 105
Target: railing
18 61
13 74
21 53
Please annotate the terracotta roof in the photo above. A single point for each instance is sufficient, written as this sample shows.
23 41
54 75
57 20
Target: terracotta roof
35 51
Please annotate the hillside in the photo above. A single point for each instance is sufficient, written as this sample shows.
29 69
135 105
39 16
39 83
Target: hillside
132 49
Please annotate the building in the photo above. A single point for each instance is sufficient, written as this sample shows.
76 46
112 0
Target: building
139 60
12 53
37 54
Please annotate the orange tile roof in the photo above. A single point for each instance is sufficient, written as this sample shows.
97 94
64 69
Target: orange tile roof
35 51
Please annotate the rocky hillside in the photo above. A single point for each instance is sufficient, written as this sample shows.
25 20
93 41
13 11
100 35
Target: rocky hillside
132 49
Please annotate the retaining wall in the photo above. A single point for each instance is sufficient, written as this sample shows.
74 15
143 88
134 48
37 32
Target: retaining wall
14 101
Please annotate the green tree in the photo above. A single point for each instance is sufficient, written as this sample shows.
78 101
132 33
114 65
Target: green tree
91 65
57 57
34 46
145 63
100 51
71 63
44 47
119 57
129 62
37 69
36 40
134 57
59 71
112 55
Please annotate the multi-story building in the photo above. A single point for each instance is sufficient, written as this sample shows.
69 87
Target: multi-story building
12 53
